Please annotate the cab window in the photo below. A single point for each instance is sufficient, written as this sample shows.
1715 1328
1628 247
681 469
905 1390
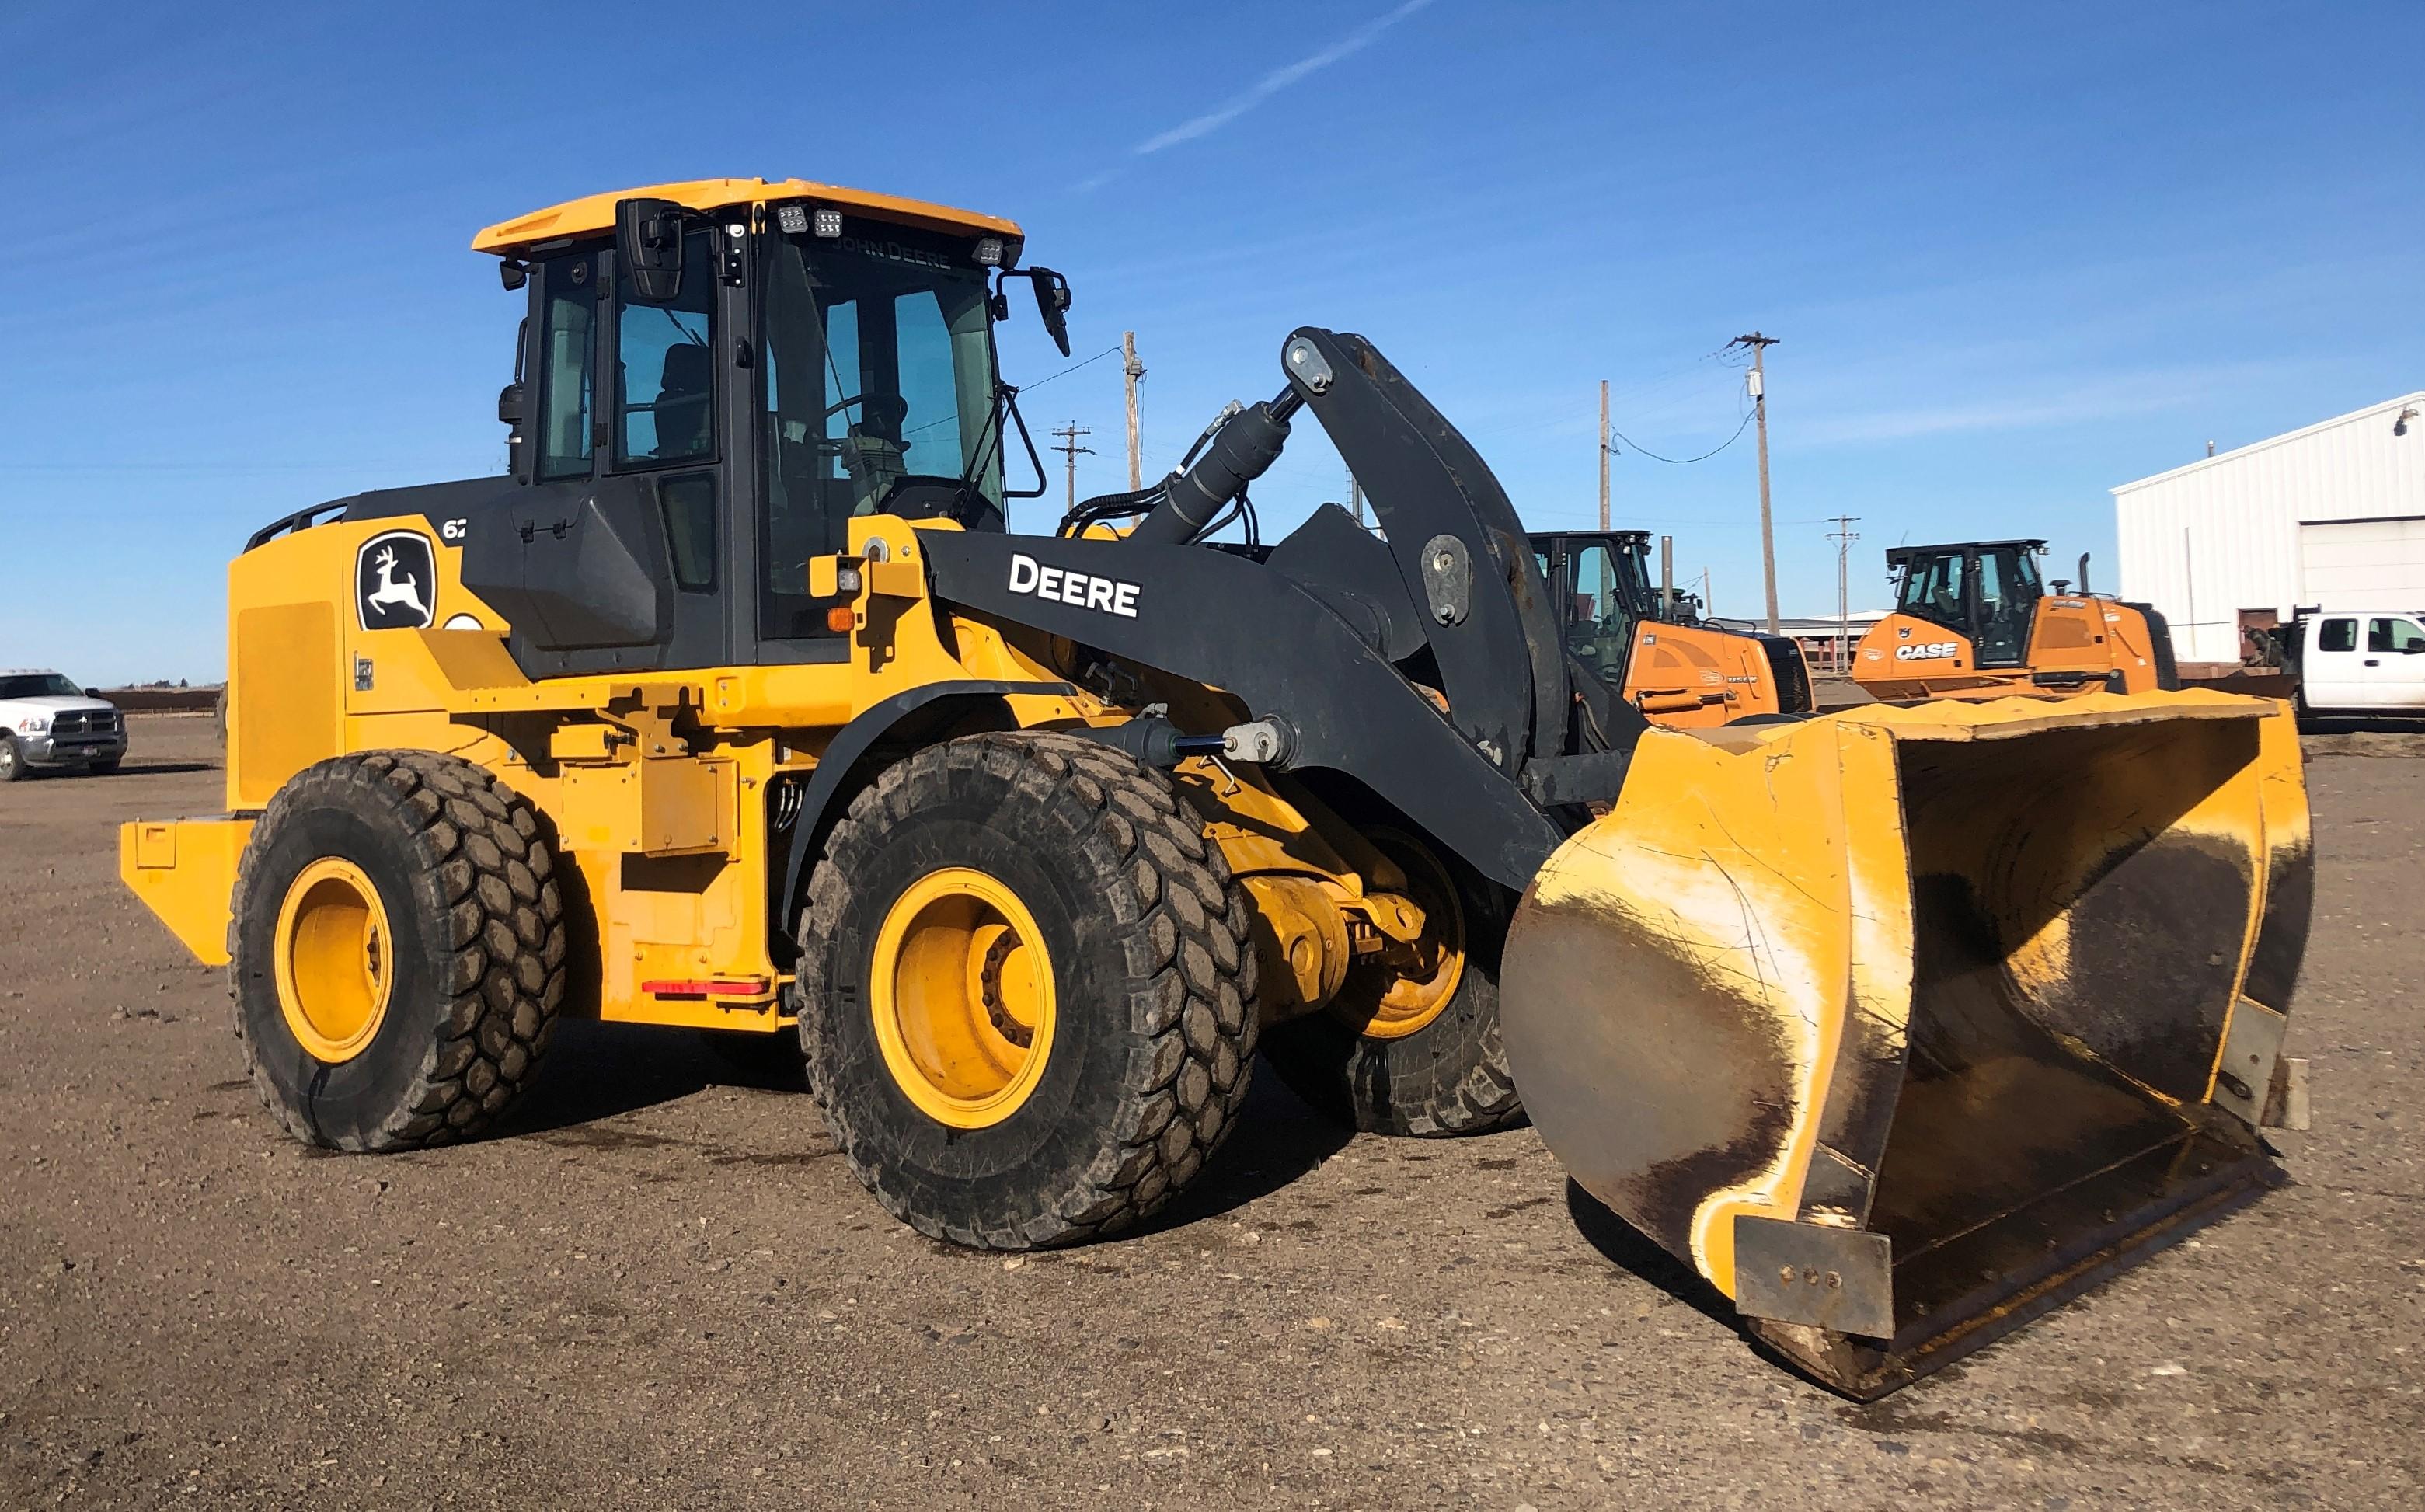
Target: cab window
1932 589
876 372
568 361
2008 596
1599 615
2336 634
665 367
807 352
938 336
2398 636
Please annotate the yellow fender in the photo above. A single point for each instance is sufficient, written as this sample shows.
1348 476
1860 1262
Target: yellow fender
184 871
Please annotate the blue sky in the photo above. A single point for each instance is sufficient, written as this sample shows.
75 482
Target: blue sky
2016 255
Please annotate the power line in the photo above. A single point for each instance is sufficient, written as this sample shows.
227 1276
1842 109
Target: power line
1067 371
1641 450
954 418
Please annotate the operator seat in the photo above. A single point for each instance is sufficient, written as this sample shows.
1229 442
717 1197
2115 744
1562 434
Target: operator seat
682 409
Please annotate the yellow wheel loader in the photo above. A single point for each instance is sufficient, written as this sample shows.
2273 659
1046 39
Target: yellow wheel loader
1974 620
732 706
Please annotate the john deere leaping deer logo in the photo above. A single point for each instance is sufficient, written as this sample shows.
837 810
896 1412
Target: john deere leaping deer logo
395 581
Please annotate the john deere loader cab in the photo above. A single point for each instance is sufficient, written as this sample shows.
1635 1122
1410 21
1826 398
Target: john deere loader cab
732 707
705 397
1655 655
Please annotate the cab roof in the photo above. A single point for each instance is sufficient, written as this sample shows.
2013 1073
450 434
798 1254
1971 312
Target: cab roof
1897 556
594 215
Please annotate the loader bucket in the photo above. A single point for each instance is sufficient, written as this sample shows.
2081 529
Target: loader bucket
1905 1024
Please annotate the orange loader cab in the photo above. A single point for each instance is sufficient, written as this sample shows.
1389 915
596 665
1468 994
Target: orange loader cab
1974 619
1654 652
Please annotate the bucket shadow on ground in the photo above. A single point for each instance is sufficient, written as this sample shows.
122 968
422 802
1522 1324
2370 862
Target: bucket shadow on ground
1628 1249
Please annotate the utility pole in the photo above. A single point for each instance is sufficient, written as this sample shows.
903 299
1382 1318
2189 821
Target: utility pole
1355 496
1758 383
1069 448
1843 536
1133 370
1603 454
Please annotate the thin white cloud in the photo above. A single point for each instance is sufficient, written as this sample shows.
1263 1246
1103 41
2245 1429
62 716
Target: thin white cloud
2148 392
1262 89
1994 414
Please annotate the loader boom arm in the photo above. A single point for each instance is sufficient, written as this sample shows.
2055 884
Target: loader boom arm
1274 638
1464 554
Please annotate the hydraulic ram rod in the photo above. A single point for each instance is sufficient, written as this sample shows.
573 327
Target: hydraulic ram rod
1244 447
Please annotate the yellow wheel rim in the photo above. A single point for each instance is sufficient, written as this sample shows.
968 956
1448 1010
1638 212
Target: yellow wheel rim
335 962
1392 999
962 987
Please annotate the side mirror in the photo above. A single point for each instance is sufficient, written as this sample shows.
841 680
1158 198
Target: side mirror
510 415
514 275
649 247
1052 303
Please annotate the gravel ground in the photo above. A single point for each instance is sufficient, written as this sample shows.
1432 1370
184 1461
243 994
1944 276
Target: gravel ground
658 1287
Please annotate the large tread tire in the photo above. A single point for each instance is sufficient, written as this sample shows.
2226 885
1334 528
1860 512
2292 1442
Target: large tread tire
1446 1079
1152 967
467 877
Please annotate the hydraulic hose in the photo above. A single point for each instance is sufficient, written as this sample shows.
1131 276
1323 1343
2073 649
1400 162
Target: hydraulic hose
1245 447
1109 506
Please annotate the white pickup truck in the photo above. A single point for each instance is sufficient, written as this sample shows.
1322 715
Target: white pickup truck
2360 661
45 720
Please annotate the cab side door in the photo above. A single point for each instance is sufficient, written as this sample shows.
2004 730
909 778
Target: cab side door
2392 666
2328 668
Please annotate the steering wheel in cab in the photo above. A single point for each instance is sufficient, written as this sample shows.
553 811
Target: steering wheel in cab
872 455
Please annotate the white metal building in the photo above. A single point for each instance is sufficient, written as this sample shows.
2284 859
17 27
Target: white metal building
2333 515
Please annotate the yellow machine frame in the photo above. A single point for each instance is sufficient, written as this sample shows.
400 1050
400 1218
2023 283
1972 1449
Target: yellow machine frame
657 783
